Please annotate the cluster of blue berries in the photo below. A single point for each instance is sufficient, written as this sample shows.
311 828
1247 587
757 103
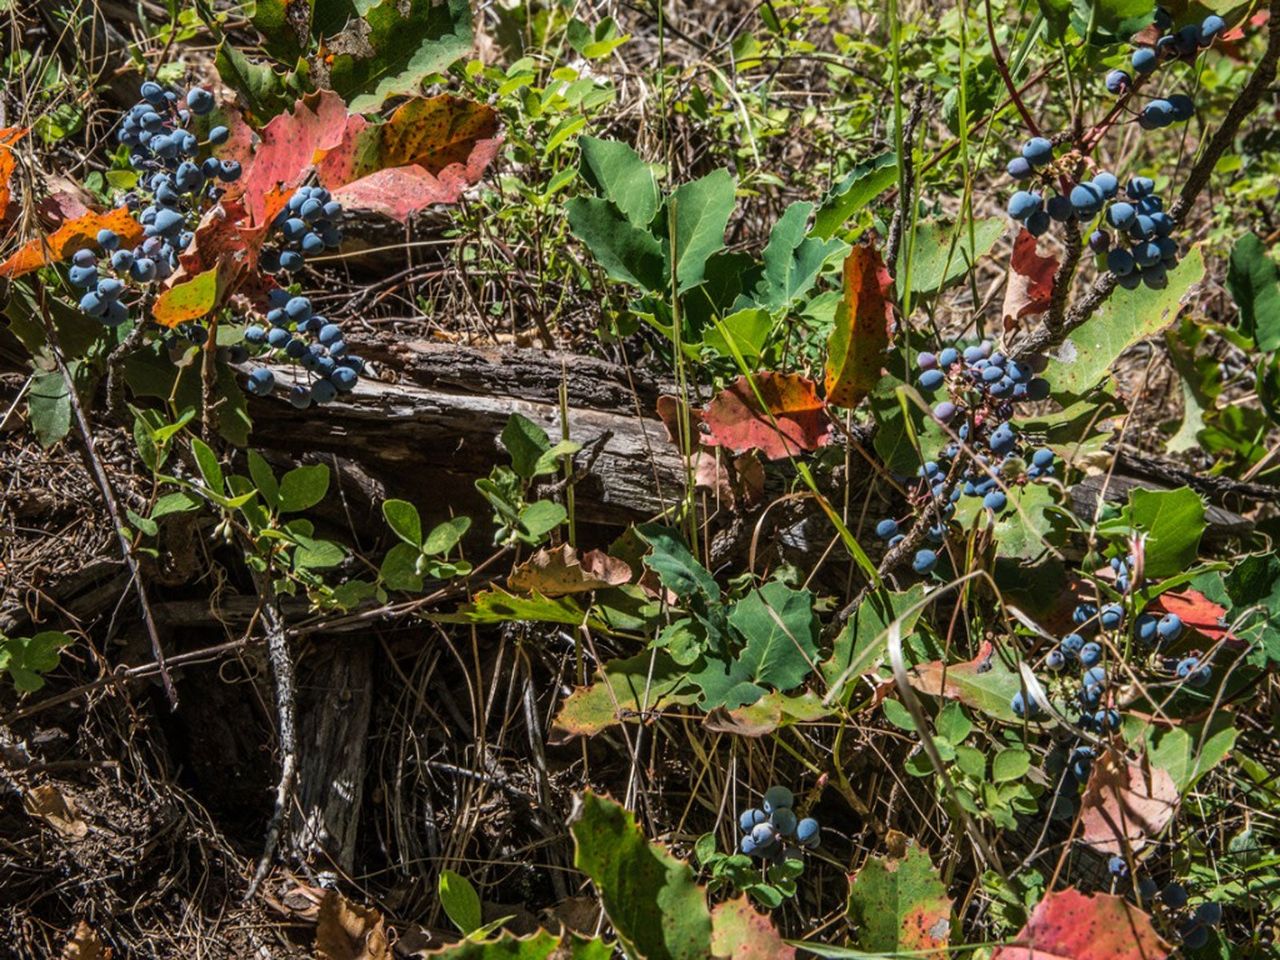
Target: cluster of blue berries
773 831
1151 251
982 387
1183 44
1194 925
308 225
316 344
164 152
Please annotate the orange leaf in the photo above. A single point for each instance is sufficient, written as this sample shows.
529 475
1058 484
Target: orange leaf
70 237
1197 612
1030 287
792 419
738 932
862 331
1070 925
85 944
8 137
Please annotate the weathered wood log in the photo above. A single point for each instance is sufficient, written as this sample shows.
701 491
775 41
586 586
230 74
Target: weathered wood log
432 433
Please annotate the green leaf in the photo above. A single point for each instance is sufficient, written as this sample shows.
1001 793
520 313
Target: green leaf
1110 21
498 606
943 253
953 726
901 425
1255 582
1030 523
49 403
675 566
1254 283
781 633
855 191
207 462
702 210
537 946
460 901
1011 763
1173 521
792 260
148 527
653 903
541 517
303 487
445 536
624 690
549 461
898 715
900 905
264 479
743 332
180 502
401 44
628 253
399 570
188 300
525 442
618 174
863 643
265 90
1127 317
402 517
313 554
26 658
1188 752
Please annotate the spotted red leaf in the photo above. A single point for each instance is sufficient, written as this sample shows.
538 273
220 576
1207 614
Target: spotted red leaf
791 420
1029 289
1070 925
862 329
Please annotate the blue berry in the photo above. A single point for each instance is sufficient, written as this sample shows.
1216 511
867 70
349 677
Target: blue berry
261 381
1055 660
777 797
1210 27
749 818
1112 616
1091 654
1019 168
199 100
1117 867
808 832
1037 151
1169 628
1145 628
925 560
995 501
886 528
323 391
1118 82
1174 896
1143 60
1209 913
949 357
784 821
1021 206
931 380
1120 262
926 360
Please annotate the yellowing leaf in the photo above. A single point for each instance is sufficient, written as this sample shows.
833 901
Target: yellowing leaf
792 419
189 299
861 334
559 572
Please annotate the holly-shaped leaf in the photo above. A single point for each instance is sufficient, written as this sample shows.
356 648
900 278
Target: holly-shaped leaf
656 908
790 420
73 235
985 683
900 905
190 299
1125 804
862 329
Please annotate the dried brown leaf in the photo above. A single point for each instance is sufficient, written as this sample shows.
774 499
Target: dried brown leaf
348 931
48 803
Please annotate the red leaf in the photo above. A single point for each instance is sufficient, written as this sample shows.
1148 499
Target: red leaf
1070 925
736 419
1197 612
862 331
1030 287
1125 804
429 151
290 142
70 237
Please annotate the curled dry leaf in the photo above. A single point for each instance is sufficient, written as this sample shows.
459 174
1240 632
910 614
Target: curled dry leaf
85 944
560 571
862 330
1070 925
8 163
1029 289
70 237
49 804
347 931
1125 804
791 420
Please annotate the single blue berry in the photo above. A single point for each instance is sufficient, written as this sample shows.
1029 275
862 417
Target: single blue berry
925 560
886 528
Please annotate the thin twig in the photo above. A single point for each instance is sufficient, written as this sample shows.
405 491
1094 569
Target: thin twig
1003 69
108 496
902 212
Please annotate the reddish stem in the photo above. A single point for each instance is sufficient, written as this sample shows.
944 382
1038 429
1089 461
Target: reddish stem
1008 80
